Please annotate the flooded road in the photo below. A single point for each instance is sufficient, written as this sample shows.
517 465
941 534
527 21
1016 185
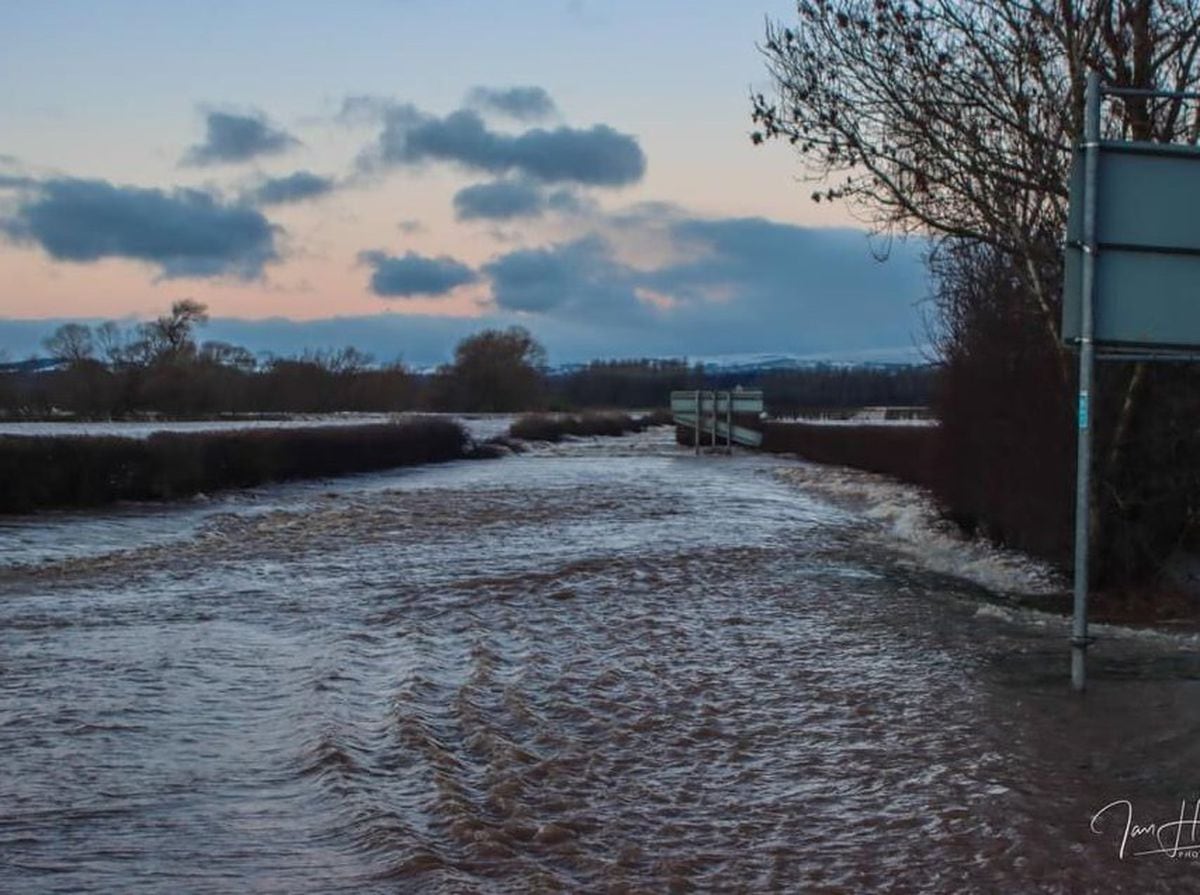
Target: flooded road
606 666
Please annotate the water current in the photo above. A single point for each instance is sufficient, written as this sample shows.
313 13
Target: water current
607 666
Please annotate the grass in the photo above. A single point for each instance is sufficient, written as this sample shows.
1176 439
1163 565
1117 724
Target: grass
58 471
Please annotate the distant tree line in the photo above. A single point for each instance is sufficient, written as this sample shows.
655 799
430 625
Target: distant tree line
646 383
161 368
829 386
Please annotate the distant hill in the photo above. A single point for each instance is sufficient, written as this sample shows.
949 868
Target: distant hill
32 365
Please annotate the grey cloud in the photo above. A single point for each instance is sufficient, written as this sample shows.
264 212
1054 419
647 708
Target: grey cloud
295 187
504 200
414 275
578 277
185 233
501 200
823 286
520 103
780 258
597 156
533 279
746 285
567 202
230 137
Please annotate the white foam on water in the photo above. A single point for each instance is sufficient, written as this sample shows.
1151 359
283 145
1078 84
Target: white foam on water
907 521
1037 618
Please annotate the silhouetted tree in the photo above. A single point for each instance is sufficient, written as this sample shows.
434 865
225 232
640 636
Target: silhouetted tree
493 371
71 342
170 337
111 342
222 354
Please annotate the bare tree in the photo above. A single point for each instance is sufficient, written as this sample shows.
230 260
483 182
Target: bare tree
170 337
110 341
956 118
222 354
71 342
343 361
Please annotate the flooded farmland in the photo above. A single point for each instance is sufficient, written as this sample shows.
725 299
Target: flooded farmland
607 666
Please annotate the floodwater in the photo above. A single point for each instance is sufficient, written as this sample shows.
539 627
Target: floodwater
608 666
485 424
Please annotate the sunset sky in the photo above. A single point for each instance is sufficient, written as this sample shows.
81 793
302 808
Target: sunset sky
395 174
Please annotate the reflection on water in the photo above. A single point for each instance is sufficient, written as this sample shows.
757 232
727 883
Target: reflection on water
603 666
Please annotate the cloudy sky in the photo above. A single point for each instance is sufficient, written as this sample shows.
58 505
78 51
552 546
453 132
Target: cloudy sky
395 174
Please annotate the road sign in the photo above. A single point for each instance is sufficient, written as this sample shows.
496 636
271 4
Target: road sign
1147 246
743 401
1131 283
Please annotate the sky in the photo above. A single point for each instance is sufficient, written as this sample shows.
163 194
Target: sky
396 174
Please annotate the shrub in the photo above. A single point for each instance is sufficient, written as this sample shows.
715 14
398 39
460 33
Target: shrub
909 453
62 471
555 426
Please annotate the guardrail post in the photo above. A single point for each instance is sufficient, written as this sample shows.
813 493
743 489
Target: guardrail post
713 427
729 423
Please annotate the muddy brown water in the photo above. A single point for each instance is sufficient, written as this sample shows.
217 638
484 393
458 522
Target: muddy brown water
605 667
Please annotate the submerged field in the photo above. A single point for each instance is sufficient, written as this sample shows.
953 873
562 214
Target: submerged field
599 665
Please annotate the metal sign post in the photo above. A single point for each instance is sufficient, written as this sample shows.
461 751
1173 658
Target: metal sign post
1083 474
1130 280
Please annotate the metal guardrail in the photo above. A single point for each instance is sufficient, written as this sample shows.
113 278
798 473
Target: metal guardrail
713 412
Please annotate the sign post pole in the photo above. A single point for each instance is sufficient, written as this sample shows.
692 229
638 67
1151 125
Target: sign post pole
1083 475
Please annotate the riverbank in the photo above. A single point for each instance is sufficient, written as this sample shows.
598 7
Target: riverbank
1152 605
908 453
43 472
892 474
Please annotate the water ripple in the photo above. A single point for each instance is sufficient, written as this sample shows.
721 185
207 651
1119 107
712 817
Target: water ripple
602 666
